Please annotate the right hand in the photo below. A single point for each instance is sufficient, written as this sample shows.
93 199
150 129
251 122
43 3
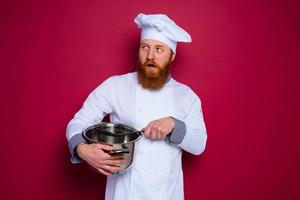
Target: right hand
96 155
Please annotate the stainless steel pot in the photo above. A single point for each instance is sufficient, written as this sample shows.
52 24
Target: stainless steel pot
120 136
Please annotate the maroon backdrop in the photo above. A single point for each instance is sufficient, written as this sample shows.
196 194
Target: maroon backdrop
242 63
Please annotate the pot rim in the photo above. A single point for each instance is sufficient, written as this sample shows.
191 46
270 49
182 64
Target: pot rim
108 124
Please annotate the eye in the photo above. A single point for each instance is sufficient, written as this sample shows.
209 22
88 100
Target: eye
159 49
144 47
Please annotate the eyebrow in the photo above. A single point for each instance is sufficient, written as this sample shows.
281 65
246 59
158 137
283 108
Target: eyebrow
158 45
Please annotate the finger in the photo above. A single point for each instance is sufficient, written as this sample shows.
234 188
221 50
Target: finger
105 147
159 134
163 136
147 130
117 156
115 162
104 172
106 156
153 133
111 168
114 155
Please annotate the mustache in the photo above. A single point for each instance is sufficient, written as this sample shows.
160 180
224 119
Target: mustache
151 63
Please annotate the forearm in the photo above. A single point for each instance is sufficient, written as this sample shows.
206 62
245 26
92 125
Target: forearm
73 142
74 137
191 140
93 110
194 141
190 135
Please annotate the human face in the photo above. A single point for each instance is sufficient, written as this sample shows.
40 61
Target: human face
154 55
154 64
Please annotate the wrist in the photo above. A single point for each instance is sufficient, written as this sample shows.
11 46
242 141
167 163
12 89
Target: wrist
79 149
172 122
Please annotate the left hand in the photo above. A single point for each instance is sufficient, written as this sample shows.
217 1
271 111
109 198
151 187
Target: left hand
159 129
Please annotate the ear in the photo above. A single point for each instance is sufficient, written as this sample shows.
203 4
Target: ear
173 56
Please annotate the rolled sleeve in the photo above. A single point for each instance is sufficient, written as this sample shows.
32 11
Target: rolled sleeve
178 133
73 142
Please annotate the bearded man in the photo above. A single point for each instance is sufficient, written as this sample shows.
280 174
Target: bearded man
168 112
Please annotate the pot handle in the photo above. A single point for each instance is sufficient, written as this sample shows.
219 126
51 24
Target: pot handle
116 151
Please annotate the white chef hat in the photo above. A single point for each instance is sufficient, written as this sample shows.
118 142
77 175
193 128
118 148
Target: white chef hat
160 27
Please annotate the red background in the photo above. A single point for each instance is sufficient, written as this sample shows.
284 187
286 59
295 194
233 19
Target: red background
242 64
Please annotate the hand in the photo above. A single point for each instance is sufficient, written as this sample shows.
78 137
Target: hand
159 129
95 155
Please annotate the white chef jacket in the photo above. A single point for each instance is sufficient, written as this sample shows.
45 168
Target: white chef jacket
156 171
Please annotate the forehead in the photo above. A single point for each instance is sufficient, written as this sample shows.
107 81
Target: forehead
152 42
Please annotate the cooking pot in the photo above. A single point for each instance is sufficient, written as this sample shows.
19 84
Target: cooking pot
120 136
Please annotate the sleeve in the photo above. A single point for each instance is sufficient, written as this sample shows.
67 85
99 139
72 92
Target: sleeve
94 109
190 134
178 132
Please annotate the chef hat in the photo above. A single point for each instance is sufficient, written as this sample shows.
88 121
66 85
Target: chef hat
160 27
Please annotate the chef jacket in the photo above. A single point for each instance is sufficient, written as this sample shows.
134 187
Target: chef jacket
156 171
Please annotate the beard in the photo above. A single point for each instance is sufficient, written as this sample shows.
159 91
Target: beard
155 78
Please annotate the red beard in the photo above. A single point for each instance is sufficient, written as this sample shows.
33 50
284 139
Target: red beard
153 80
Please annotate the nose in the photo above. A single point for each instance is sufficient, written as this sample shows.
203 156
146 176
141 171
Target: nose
151 54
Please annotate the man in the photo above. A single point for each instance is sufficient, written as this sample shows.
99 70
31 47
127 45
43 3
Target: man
150 99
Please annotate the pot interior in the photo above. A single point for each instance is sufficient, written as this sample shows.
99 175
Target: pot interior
109 133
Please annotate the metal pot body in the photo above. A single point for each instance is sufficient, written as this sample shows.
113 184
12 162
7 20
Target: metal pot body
120 136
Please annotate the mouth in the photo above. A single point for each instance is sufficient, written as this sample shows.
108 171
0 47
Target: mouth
151 65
